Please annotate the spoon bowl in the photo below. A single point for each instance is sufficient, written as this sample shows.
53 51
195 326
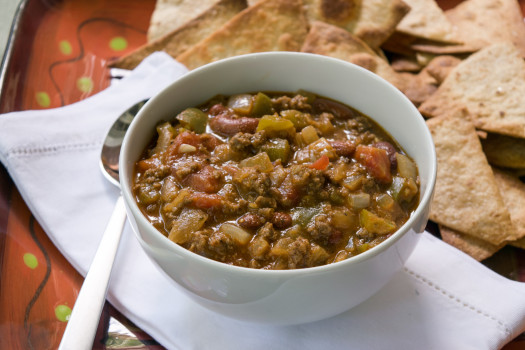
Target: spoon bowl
111 149
83 323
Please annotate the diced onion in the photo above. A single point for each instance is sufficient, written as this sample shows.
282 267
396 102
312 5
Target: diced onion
241 103
385 201
261 161
341 255
189 220
376 224
165 131
177 202
406 167
353 182
236 233
343 220
169 189
359 200
309 135
280 248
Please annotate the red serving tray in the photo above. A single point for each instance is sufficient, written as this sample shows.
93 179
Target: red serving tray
57 55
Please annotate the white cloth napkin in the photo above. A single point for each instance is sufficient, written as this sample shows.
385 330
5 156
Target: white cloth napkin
443 299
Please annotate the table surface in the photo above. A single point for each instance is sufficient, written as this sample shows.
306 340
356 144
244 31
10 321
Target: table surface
36 301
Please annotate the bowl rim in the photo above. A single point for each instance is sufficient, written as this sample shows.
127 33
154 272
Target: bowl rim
424 201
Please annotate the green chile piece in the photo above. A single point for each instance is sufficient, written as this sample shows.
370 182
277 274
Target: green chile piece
193 119
262 105
277 149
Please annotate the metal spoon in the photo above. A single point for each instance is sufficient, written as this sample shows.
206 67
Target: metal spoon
83 323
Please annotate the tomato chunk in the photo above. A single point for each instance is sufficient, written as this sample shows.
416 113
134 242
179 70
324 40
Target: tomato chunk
148 163
205 201
321 163
376 161
205 180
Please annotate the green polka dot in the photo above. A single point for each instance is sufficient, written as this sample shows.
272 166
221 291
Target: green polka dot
43 100
85 84
118 43
65 47
63 313
30 260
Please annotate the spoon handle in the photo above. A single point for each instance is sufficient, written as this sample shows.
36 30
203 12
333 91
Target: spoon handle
83 323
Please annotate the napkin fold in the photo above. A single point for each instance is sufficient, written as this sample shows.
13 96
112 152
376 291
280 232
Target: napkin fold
442 299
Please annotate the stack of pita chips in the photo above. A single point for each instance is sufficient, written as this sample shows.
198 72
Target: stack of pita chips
255 26
482 101
462 67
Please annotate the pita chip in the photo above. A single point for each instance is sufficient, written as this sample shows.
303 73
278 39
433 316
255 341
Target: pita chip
504 151
329 40
473 246
490 84
484 22
182 38
168 15
440 67
404 63
437 48
400 44
373 21
269 25
466 197
418 87
481 24
426 20
512 190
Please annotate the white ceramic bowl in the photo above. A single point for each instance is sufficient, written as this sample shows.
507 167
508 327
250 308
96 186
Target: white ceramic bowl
288 296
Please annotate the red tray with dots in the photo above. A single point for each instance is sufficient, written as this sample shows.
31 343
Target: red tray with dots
57 55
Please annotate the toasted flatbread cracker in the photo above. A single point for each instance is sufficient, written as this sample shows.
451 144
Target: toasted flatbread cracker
371 20
437 48
169 15
473 246
481 24
182 38
331 40
418 87
484 22
426 20
269 25
504 151
376 65
441 66
466 197
512 190
404 63
490 84
400 43
424 58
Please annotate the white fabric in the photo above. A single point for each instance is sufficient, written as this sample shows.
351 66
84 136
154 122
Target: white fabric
443 299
